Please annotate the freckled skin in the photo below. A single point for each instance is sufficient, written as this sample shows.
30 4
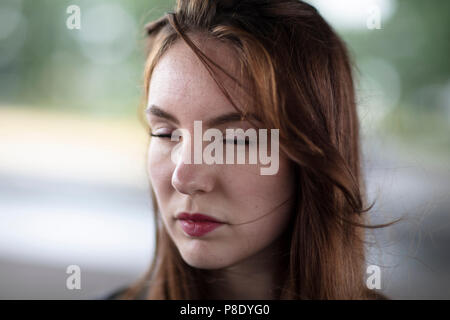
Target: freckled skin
234 193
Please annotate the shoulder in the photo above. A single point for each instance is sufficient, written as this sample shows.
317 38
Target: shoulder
131 291
115 294
375 295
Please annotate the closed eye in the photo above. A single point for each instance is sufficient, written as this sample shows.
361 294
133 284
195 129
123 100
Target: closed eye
166 135
245 141
161 132
236 141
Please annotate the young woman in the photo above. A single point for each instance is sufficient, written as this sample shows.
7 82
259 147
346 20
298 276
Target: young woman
227 231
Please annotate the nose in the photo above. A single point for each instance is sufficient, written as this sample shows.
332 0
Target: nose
189 178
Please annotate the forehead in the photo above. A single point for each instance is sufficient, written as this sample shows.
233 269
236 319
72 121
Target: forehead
180 82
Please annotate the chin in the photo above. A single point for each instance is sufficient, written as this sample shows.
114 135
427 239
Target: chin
204 264
200 256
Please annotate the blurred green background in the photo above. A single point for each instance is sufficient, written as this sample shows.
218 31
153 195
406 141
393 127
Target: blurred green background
97 70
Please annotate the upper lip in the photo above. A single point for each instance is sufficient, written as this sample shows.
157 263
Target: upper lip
196 217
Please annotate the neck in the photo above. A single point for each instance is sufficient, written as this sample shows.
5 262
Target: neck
258 277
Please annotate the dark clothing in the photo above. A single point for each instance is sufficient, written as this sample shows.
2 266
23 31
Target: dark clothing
114 295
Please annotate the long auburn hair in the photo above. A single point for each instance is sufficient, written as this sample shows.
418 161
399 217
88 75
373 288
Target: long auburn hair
299 76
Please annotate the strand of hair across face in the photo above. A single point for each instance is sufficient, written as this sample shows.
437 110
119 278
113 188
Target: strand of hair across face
264 215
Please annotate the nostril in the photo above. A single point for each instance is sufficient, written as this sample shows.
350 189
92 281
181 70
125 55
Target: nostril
182 180
190 179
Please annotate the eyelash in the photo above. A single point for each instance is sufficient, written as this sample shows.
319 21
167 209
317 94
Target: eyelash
235 141
168 136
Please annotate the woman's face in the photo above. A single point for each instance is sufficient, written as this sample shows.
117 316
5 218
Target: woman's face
254 208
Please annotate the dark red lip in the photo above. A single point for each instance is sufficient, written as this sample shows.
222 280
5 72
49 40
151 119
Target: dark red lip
197 224
196 217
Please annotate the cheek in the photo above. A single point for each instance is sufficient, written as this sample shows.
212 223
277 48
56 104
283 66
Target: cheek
261 206
266 200
159 167
260 191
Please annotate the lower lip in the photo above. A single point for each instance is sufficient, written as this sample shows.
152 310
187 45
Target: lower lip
198 228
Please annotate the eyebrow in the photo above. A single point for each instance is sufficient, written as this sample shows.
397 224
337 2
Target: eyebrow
158 112
216 121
